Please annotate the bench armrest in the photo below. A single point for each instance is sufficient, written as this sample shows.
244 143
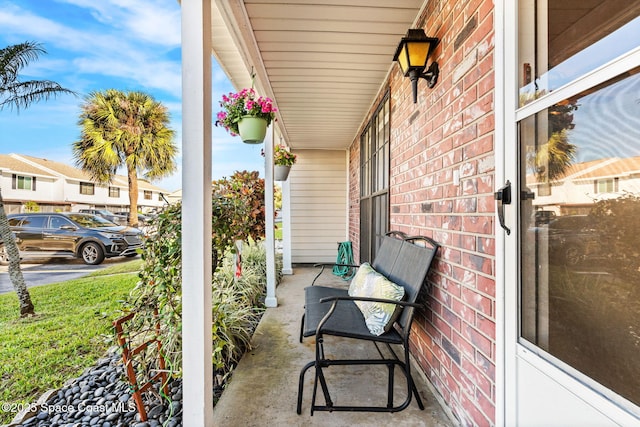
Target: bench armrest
382 300
335 299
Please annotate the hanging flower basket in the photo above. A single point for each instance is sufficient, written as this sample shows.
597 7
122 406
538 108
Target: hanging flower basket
281 172
242 108
252 130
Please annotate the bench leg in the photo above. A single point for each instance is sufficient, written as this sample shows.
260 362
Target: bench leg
301 385
301 327
390 384
416 395
325 389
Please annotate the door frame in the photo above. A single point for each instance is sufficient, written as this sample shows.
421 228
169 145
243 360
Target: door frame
510 351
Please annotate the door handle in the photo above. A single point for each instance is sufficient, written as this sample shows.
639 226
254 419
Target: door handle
503 197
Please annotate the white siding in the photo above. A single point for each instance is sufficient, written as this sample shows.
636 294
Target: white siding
318 184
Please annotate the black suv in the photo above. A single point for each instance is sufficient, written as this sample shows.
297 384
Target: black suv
85 236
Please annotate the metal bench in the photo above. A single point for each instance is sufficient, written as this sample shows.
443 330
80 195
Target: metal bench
332 312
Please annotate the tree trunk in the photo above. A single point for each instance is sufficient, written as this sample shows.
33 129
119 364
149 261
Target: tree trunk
133 195
13 255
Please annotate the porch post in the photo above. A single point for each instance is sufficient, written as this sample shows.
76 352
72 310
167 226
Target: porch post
270 300
286 227
196 214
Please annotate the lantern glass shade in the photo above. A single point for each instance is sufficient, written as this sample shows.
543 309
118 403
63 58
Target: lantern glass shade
414 50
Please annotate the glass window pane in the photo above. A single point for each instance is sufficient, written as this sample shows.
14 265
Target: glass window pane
580 258
560 42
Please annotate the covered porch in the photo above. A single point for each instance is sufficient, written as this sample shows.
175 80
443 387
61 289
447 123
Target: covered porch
264 386
325 64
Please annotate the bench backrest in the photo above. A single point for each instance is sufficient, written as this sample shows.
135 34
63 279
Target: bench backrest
410 271
387 254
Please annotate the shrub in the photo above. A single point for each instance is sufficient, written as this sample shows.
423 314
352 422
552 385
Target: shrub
238 214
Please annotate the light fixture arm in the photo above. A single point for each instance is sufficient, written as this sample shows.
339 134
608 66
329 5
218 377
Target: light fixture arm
431 76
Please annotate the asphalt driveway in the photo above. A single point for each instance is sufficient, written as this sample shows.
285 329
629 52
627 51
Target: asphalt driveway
43 271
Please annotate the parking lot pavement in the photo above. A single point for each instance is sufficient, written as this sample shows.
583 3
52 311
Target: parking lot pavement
43 271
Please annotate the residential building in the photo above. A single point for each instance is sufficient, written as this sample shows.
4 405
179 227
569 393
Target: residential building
55 186
531 97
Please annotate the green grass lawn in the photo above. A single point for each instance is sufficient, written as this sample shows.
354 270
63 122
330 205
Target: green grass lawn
71 330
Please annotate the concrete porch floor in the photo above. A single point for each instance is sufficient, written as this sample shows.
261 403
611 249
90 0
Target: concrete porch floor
263 390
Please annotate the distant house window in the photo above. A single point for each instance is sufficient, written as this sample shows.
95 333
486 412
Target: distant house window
20 182
114 192
87 188
606 185
147 195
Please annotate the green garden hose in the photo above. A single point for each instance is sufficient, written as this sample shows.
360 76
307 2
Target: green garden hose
345 257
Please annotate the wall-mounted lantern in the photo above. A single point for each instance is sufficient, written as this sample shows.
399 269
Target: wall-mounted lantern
412 55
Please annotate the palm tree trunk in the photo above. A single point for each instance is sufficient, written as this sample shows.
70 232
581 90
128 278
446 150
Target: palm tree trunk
133 195
15 273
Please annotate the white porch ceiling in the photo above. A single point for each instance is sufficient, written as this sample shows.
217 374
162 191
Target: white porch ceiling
323 62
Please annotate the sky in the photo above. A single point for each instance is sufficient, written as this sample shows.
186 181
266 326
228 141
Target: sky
95 45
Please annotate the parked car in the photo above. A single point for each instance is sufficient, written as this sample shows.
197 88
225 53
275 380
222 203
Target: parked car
104 213
572 239
85 236
123 217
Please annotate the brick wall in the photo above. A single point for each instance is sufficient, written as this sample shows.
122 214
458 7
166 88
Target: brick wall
354 199
442 183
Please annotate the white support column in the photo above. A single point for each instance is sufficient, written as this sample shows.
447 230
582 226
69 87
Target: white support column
271 300
196 214
286 227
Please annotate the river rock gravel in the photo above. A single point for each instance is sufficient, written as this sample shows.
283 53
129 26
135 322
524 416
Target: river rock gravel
101 397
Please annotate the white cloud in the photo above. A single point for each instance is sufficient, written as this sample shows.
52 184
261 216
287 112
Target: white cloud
154 21
132 46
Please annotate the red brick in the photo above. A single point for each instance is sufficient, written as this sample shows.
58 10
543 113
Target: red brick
486 326
479 379
477 263
450 382
467 134
485 184
451 318
451 287
486 406
477 224
466 205
465 347
485 365
464 311
486 245
470 186
478 340
486 84
479 418
477 301
486 204
486 285
468 242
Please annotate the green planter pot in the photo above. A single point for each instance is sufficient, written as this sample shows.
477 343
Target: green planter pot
281 173
252 129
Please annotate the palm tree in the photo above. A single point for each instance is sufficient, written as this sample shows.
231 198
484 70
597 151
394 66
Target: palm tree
125 129
20 94
17 93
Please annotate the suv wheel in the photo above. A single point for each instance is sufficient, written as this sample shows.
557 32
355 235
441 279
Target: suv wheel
573 255
92 253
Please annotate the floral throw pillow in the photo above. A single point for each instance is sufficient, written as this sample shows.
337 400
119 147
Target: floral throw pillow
358 282
379 317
